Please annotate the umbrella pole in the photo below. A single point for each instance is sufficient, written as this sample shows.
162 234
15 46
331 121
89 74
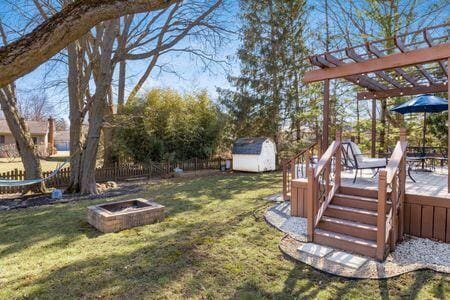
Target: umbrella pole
424 137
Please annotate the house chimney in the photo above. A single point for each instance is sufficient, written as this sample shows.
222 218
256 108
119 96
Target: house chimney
51 136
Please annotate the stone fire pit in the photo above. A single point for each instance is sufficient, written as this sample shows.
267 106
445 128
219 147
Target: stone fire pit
116 216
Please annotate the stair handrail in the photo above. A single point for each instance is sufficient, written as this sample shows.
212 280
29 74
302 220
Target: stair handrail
289 171
320 191
391 186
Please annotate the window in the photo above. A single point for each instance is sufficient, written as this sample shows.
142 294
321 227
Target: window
35 140
2 139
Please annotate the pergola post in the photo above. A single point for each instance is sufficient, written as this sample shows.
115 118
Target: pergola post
448 124
326 114
374 127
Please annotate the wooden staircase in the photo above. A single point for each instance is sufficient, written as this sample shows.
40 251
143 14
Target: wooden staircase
350 222
364 221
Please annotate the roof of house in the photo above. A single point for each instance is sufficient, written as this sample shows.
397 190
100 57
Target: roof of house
248 145
35 127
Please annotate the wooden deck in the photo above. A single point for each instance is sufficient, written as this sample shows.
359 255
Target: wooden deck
433 184
427 202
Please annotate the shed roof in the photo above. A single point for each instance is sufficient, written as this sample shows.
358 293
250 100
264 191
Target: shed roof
35 127
248 145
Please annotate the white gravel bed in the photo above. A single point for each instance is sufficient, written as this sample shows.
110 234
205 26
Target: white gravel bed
412 254
279 217
422 251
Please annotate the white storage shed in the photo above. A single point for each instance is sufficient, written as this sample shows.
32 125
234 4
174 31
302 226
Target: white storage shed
254 155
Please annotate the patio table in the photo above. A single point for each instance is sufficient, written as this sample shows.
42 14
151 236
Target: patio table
427 156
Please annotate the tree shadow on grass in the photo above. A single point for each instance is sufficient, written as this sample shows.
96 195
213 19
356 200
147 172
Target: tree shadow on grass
22 229
440 290
304 282
65 223
144 271
157 264
58 225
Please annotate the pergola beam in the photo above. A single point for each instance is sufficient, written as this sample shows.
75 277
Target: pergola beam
397 60
374 50
357 58
402 92
403 49
360 80
429 39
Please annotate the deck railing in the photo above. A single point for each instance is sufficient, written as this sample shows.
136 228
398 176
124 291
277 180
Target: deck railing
391 196
323 182
293 168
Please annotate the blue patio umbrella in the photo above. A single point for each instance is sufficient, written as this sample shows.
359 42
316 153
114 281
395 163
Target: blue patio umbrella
424 103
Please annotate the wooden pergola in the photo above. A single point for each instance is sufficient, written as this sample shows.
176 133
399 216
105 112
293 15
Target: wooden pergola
407 64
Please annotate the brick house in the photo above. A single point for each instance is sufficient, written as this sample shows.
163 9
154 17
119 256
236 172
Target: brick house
42 133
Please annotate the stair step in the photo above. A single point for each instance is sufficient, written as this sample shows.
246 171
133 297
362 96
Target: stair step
369 193
345 242
353 214
356 229
358 202
370 199
355 201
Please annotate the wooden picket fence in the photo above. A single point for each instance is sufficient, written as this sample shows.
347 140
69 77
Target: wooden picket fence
114 173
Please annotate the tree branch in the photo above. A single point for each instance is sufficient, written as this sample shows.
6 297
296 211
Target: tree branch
72 22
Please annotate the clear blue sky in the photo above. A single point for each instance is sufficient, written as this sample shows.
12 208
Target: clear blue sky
50 78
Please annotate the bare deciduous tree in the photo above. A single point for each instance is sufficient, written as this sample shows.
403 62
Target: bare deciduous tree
96 55
61 124
36 107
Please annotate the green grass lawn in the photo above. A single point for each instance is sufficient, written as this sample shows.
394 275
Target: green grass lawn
213 243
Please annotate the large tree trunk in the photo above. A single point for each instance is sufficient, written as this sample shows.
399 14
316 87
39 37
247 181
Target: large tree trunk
108 132
22 136
75 115
103 72
89 158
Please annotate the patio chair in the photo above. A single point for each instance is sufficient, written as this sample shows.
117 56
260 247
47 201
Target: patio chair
353 159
